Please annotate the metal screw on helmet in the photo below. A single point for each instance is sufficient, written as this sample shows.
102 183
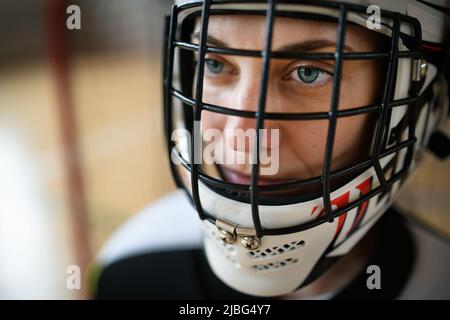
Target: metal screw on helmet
250 243
419 69
227 237
227 231
249 240
423 68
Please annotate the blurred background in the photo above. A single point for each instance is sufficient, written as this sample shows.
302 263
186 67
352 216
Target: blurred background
81 145
81 141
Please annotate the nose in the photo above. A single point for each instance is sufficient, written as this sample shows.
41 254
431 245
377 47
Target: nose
245 97
246 92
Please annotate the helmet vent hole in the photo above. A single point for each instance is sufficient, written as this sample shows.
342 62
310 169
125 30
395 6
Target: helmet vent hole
234 262
275 265
274 251
238 195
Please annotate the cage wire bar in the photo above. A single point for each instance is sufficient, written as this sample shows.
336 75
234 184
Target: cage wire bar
254 188
197 104
292 116
387 92
294 55
332 120
171 21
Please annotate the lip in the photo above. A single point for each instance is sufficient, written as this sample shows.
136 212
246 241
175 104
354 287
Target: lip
245 179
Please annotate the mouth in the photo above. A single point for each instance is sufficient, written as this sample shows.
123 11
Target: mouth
245 179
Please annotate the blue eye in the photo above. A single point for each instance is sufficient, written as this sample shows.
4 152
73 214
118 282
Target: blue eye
214 66
310 76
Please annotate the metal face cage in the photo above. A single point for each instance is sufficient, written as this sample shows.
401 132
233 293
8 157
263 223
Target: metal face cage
385 141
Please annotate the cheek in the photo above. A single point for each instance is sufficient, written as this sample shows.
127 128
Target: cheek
352 141
362 86
306 140
211 120
216 96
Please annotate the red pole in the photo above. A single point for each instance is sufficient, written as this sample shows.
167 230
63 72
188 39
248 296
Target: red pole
57 49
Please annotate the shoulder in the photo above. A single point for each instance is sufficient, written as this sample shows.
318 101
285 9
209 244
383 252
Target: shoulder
429 278
157 254
167 224
164 275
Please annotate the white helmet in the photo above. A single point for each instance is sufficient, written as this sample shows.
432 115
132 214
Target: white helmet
269 246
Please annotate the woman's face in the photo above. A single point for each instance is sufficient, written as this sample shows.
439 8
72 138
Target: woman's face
293 86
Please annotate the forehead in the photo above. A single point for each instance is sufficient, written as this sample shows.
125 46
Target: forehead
248 32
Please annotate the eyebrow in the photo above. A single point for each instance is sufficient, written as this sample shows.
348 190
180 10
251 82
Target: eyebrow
307 45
